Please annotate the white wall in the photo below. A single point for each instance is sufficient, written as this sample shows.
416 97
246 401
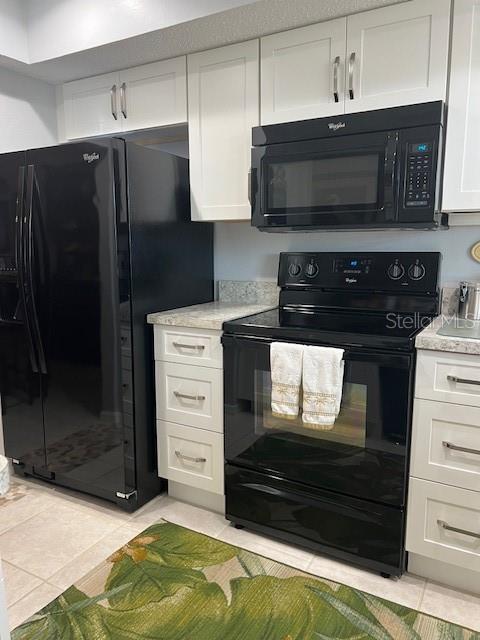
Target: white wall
13 32
61 27
244 253
27 112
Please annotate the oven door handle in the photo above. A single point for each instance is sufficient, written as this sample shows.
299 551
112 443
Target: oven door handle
356 353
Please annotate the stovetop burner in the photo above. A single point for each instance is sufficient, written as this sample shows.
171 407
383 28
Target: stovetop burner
375 300
375 331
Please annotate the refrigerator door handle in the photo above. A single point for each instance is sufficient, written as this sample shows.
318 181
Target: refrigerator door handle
20 263
28 260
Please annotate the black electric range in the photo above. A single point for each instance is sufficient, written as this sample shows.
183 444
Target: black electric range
341 491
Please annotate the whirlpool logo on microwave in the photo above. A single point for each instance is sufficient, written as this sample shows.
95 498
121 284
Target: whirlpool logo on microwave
335 126
91 157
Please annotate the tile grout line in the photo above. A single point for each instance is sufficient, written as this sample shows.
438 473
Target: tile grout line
423 594
71 559
75 557
25 594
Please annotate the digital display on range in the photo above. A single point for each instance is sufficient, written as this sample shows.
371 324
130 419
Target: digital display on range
352 265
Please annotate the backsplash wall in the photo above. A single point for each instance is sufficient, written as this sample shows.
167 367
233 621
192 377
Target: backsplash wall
244 253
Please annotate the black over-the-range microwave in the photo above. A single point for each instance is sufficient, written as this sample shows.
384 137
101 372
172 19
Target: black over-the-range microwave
375 169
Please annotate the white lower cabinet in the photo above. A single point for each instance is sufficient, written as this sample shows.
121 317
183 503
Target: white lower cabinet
189 397
443 517
190 456
448 377
446 444
444 523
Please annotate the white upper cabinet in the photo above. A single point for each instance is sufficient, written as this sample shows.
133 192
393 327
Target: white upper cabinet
154 94
382 58
302 72
91 106
397 55
461 186
223 106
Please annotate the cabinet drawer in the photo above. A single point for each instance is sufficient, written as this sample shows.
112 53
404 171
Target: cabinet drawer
446 444
443 523
190 456
189 346
190 395
448 377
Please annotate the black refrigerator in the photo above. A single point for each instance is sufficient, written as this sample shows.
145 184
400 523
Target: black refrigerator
93 236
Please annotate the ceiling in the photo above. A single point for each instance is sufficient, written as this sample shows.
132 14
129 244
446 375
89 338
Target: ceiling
71 39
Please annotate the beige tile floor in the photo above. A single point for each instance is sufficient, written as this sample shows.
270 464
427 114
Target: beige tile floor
51 537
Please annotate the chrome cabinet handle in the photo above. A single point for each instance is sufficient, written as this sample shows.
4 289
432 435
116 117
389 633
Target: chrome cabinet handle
180 345
456 447
182 456
177 394
463 380
123 99
351 65
113 101
250 186
336 65
444 525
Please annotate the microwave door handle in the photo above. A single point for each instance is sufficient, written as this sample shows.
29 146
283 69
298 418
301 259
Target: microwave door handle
390 175
252 186
20 263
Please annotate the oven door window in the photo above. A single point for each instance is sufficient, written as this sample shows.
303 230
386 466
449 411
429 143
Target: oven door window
363 454
324 183
350 427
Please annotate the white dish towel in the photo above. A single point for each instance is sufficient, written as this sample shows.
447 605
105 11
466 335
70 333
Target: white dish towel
286 368
322 386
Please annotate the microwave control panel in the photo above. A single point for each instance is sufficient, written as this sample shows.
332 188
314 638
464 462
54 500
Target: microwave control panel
418 188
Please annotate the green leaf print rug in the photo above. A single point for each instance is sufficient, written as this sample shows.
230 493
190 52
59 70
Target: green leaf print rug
170 583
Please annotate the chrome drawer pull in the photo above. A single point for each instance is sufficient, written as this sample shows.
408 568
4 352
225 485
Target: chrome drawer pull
351 64
455 447
180 345
123 99
447 527
180 455
113 101
463 380
177 394
336 64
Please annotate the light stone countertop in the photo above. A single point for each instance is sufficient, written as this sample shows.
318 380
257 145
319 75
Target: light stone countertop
431 340
210 315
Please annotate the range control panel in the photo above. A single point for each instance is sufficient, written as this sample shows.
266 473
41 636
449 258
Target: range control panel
374 271
419 174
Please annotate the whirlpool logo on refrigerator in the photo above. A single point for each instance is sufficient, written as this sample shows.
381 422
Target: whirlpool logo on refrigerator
91 157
